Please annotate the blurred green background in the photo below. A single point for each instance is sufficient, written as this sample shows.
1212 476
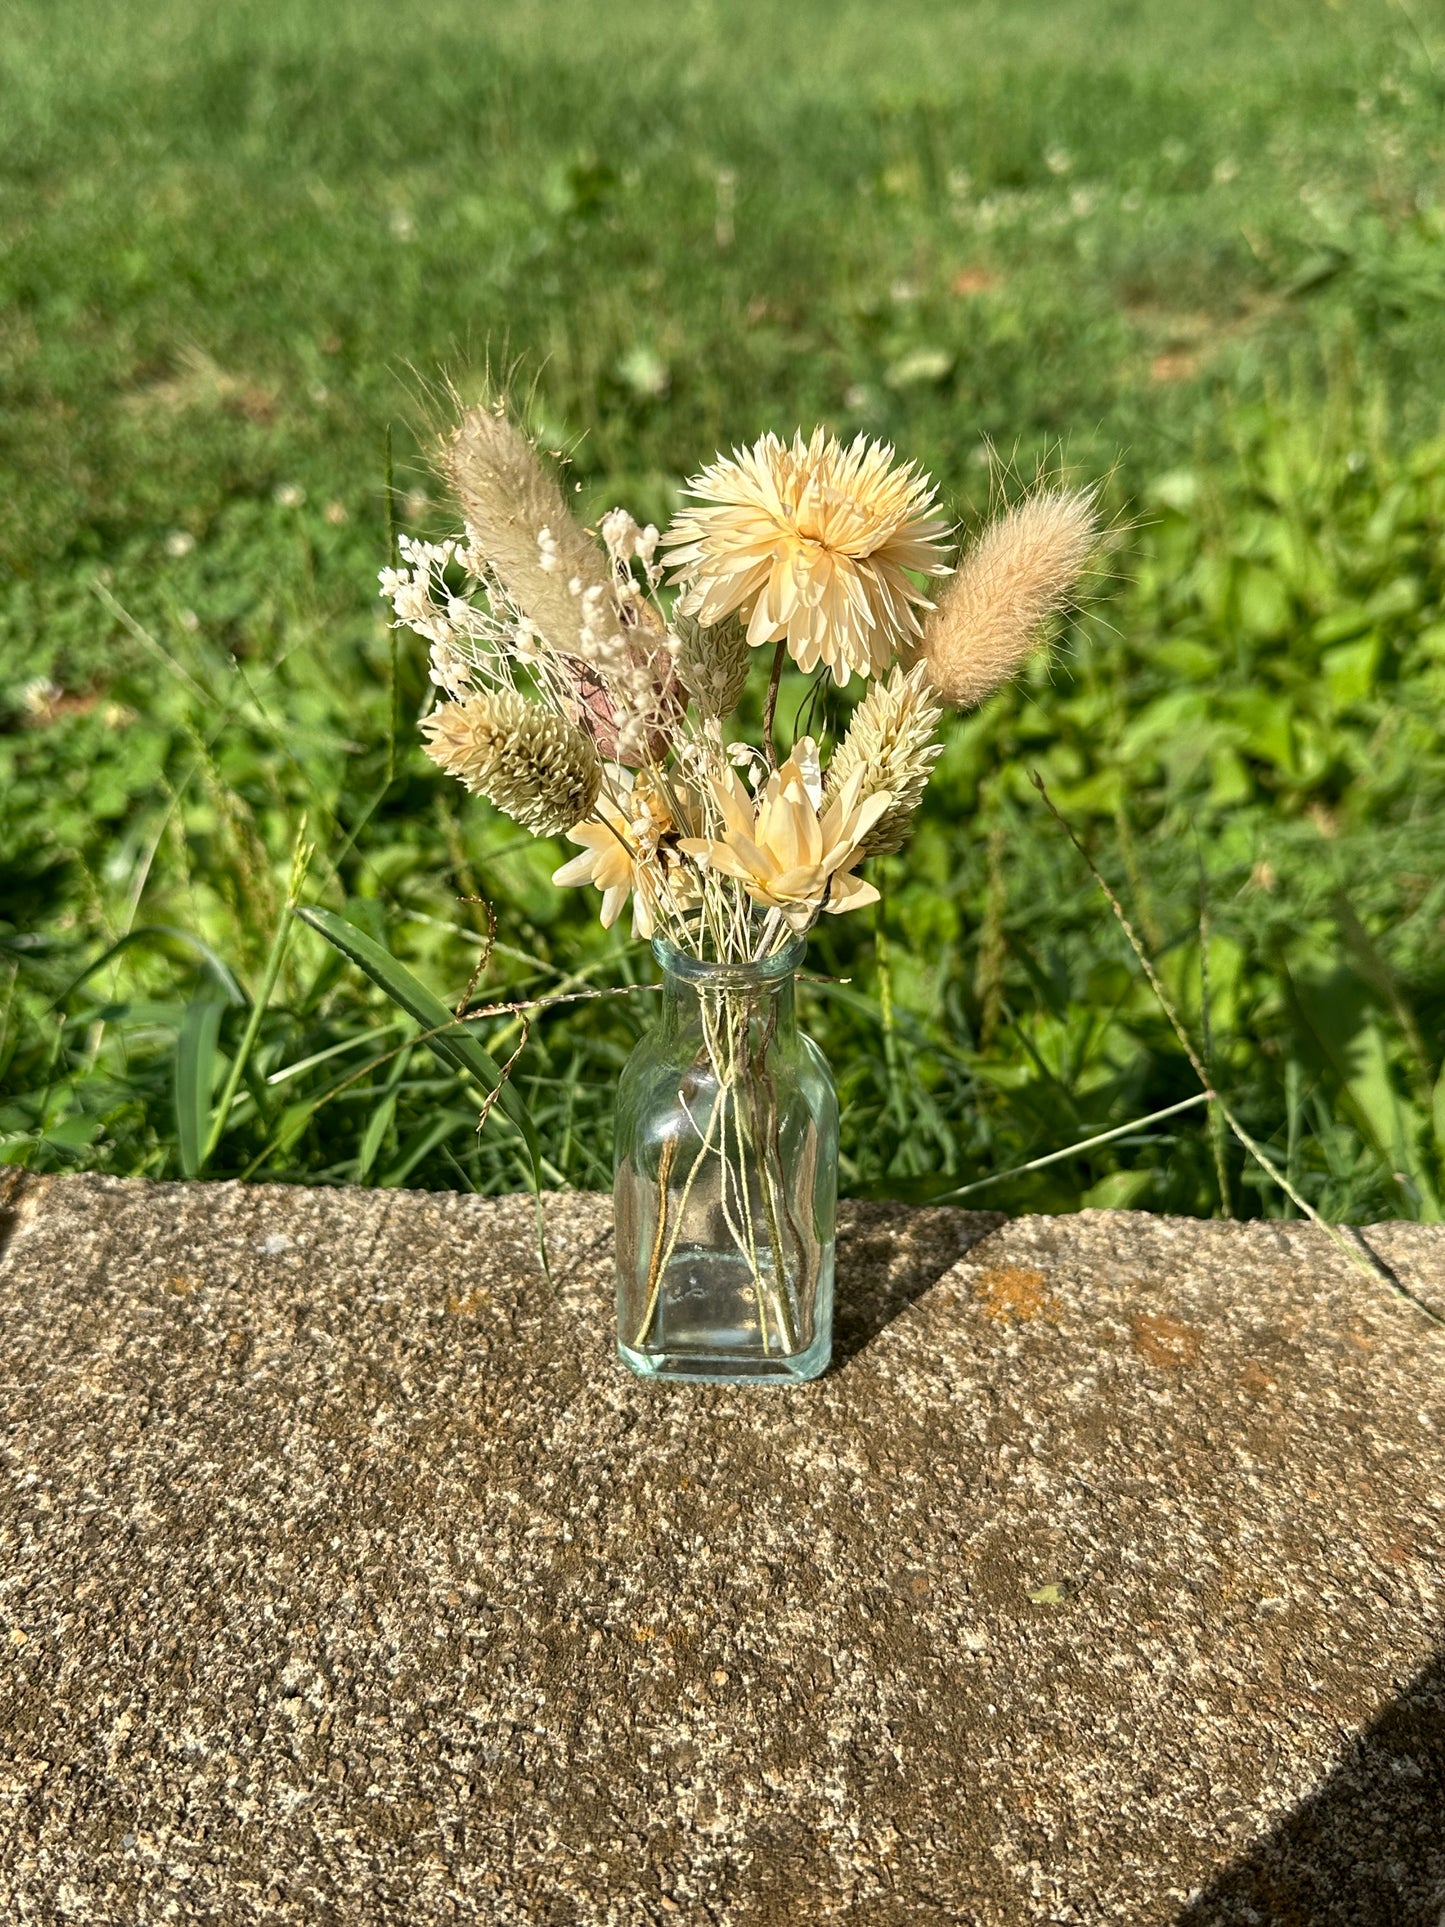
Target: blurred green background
1197 253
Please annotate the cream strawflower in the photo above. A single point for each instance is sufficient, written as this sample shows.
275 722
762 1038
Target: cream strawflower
630 847
791 855
811 543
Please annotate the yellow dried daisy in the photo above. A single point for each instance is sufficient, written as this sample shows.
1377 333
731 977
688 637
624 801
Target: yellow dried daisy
811 543
630 847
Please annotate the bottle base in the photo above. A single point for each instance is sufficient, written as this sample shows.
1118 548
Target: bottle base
727 1368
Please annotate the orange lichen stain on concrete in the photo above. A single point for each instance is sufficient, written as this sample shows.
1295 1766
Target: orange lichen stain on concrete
466 1305
1254 1378
1013 1295
1163 1340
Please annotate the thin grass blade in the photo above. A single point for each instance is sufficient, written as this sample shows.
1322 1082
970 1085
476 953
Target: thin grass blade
443 1033
196 1079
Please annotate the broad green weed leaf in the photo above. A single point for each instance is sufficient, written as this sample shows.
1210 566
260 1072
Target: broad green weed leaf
1349 669
1334 1009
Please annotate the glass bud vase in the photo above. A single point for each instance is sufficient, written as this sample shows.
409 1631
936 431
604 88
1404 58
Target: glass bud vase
726 1180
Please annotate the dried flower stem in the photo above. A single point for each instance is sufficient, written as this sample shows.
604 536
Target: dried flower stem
775 1236
650 1309
654 1269
770 705
740 1181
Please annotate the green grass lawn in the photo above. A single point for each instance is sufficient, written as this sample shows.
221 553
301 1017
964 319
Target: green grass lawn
1197 253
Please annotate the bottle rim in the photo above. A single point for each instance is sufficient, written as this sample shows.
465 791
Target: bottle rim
741 973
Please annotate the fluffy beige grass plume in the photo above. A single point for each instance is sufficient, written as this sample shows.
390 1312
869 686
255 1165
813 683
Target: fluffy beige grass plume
1020 572
551 569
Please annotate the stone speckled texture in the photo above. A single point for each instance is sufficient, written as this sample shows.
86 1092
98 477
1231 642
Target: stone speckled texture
345 1578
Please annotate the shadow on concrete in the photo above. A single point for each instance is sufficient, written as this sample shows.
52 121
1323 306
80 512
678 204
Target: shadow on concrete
1367 1849
889 1255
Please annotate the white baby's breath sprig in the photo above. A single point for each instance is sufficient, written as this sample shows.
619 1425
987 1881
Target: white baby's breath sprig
625 543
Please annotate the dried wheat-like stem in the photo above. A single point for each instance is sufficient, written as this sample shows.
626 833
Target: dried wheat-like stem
891 739
1072 1150
1021 571
489 944
490 1100
1358 1253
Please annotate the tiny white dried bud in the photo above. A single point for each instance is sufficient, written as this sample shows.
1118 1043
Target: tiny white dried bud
619 534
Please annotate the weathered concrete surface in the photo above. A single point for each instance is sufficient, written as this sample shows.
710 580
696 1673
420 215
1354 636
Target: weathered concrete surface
343 1578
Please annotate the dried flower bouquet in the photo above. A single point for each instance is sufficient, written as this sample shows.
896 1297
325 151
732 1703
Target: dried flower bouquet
583 701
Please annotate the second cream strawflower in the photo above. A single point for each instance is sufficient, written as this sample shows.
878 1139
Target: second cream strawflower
790 853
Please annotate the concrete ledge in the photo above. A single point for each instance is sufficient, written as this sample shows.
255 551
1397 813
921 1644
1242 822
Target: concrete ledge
343 1578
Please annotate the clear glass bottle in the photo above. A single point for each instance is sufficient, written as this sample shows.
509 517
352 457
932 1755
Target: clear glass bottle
726 1180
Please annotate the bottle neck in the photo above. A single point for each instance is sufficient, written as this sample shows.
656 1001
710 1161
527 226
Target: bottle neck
730 1002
